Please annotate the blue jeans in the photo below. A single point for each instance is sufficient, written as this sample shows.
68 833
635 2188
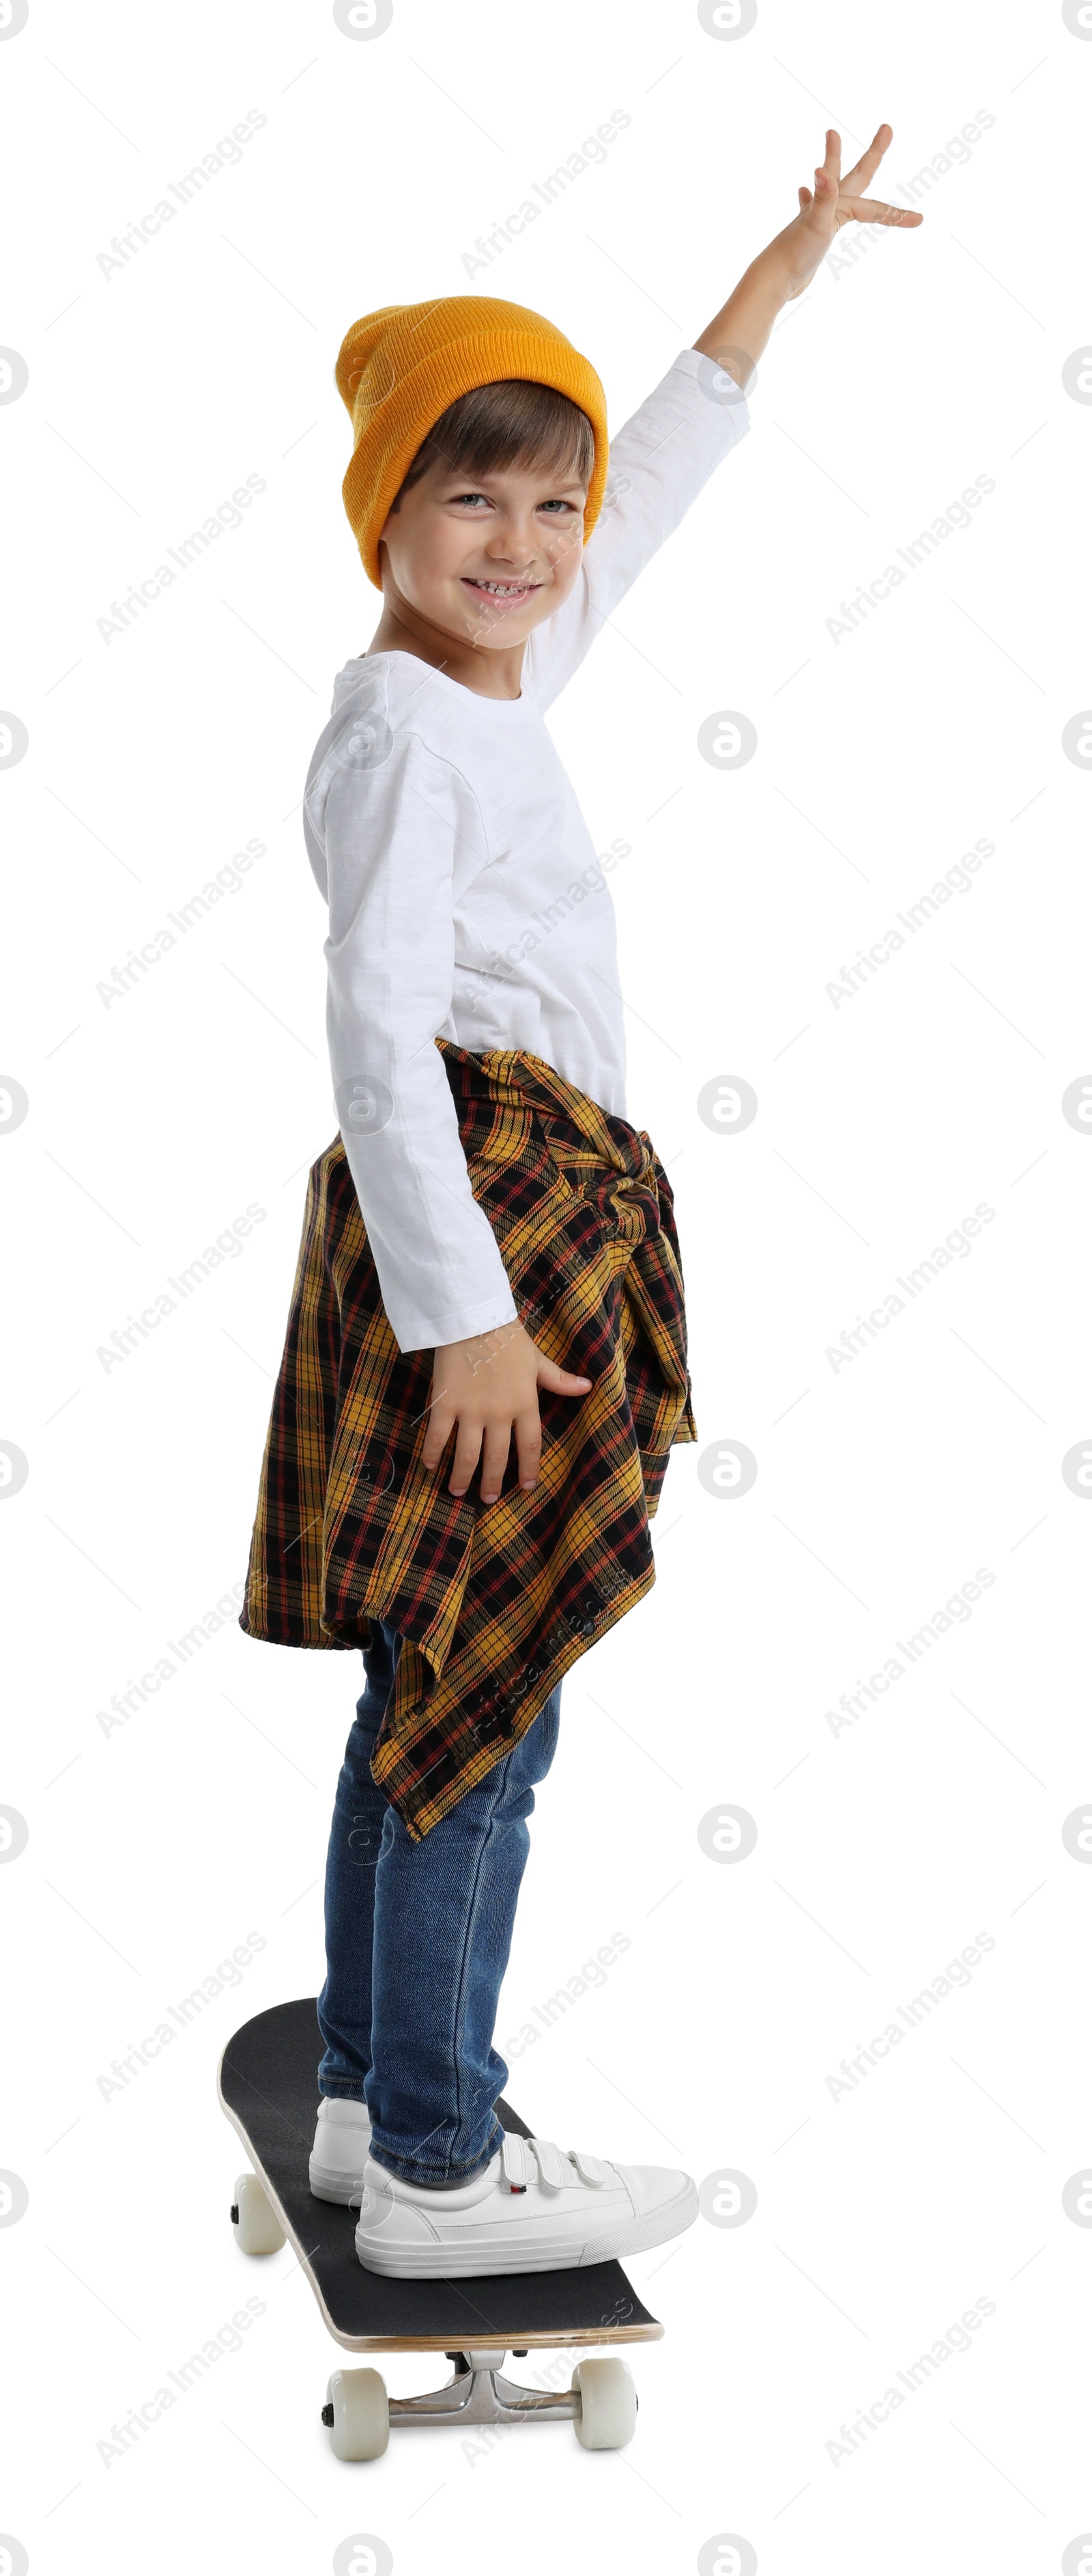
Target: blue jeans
417 1942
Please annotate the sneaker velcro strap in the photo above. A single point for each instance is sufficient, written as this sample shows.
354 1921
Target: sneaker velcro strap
516 2164
589 2168
548 2160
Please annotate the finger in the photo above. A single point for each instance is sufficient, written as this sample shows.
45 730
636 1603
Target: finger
804 195
498 1441
438 1434
874 210
864 169
818 214
467 1448
561 1381
832 157
528 1431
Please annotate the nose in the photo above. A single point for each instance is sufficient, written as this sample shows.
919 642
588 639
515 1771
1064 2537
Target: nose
509 556
512 540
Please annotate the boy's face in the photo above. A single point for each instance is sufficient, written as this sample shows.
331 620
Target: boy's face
484 558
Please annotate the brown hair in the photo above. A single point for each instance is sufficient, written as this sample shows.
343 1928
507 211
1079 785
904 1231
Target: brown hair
511 423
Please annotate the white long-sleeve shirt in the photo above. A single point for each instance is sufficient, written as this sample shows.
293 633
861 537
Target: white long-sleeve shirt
465 897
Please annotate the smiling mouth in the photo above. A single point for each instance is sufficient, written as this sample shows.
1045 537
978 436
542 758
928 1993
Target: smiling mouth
503 594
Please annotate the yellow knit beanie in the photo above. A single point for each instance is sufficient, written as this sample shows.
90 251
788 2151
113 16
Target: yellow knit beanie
398 370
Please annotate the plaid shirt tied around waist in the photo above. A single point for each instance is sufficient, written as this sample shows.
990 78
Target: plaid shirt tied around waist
494 1602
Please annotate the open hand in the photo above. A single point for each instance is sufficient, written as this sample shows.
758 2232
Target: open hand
489 1387
835 201
738 334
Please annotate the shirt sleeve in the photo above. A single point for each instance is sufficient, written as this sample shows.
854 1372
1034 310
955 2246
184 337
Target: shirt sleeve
392 822
658 464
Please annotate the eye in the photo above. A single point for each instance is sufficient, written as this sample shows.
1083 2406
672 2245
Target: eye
469 500
567 508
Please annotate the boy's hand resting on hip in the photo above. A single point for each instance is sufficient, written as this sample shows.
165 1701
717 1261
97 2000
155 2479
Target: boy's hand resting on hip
488 1386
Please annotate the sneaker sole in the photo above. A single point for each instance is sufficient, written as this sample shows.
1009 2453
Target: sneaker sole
342 2189
481 2260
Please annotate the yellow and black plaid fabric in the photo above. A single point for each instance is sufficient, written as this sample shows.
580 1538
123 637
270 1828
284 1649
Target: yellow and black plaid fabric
494 1602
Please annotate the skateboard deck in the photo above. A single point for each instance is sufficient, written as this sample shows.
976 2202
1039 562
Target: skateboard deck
269 2089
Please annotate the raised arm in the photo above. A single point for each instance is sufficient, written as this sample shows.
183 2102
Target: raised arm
658 464
662 458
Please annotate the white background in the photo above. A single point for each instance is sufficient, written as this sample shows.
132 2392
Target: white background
882 1485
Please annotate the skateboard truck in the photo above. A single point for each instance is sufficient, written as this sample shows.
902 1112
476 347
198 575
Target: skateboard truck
601 2404
477 2393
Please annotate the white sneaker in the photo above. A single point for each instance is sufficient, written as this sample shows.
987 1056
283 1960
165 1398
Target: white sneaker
340 2152
533 2209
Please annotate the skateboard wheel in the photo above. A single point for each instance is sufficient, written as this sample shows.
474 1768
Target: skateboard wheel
608 2404
361 2425
257 2230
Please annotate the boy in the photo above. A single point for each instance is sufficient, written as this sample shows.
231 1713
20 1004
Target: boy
489 1254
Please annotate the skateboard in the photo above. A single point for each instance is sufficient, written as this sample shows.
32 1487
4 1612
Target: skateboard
267 2084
